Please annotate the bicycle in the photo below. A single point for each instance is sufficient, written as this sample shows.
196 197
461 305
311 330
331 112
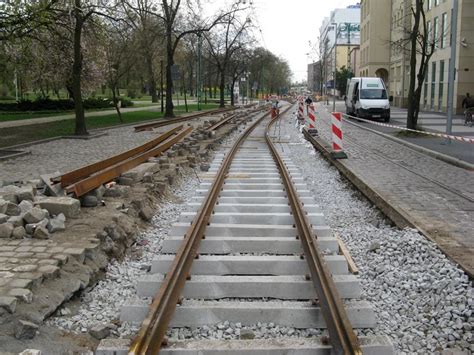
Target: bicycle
468 116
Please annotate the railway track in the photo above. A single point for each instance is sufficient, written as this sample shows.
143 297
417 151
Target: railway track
252 248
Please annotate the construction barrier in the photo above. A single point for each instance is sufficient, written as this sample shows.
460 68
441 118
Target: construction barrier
336 123
311 122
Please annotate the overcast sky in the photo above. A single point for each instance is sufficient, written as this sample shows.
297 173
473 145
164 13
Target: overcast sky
288 25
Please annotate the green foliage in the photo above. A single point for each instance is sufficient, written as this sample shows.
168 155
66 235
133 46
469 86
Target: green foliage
46 104
341 79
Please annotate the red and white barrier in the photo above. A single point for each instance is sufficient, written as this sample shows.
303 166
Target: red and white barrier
336 123
300 110
311 121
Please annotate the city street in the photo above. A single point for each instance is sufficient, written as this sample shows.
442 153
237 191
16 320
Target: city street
429 121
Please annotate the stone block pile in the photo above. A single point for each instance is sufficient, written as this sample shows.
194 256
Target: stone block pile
25 212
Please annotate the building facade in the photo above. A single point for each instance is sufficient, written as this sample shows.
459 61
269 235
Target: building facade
339 40
385 53
375 38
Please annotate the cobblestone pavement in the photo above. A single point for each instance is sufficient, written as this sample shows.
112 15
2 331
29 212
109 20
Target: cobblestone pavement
438 196
67 154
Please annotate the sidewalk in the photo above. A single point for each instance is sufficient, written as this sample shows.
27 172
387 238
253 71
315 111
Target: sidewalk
429 121
31 121
435 197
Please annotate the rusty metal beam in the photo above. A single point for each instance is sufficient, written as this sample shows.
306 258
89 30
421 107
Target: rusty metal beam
165 122
152 332
341 334
81 173
83 186
220 123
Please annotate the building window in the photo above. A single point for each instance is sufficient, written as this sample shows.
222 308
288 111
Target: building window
435 31
441 85
433 85
430 4
444 29
429 36
436 2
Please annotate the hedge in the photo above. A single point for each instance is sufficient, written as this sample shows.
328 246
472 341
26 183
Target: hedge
60 105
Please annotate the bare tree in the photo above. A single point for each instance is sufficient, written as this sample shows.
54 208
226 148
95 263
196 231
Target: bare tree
420 42
228 37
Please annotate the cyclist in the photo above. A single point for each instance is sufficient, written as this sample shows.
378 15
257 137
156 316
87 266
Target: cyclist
468 106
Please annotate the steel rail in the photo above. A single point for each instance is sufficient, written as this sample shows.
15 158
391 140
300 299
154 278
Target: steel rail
89 183
220 123
153 329
166 122
74 176
342 337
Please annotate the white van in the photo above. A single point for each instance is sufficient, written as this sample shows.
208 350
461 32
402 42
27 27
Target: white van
367 98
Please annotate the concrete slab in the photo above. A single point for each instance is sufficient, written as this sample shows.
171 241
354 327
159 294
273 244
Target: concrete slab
260 193
249 230
250 265
286 287
255 199
374 345
252 208
272 218
289 314
248 245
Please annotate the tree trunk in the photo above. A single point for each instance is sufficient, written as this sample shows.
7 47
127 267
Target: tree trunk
222 88
151 77
80 128
413 103
169 80
115 100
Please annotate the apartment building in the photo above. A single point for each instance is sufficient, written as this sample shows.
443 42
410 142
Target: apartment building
339 39
375 38
383 31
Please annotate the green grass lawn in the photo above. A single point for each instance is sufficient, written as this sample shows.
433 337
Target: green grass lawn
23 134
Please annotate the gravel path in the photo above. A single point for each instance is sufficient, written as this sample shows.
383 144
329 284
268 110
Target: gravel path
423 301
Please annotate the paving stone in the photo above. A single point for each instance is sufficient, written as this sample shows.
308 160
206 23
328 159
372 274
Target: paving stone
26 193
36 215
20 283
78 253
8 303
38 249
8 193
14 242
21 294
68 206
117 191
12 209
41 233
62 258
57 224
48 262
17 221
36 278
26 254
6 230
3 205
19 232
31 352
49 271
3 218
25 206
100 332
25 268
23 248
7 247
25 330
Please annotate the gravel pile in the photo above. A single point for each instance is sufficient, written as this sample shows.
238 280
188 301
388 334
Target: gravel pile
423 301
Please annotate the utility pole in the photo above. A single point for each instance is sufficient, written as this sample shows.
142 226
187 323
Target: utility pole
335 67
199 79
452 67
161 85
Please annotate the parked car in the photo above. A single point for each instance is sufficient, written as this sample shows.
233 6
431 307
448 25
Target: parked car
367 98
